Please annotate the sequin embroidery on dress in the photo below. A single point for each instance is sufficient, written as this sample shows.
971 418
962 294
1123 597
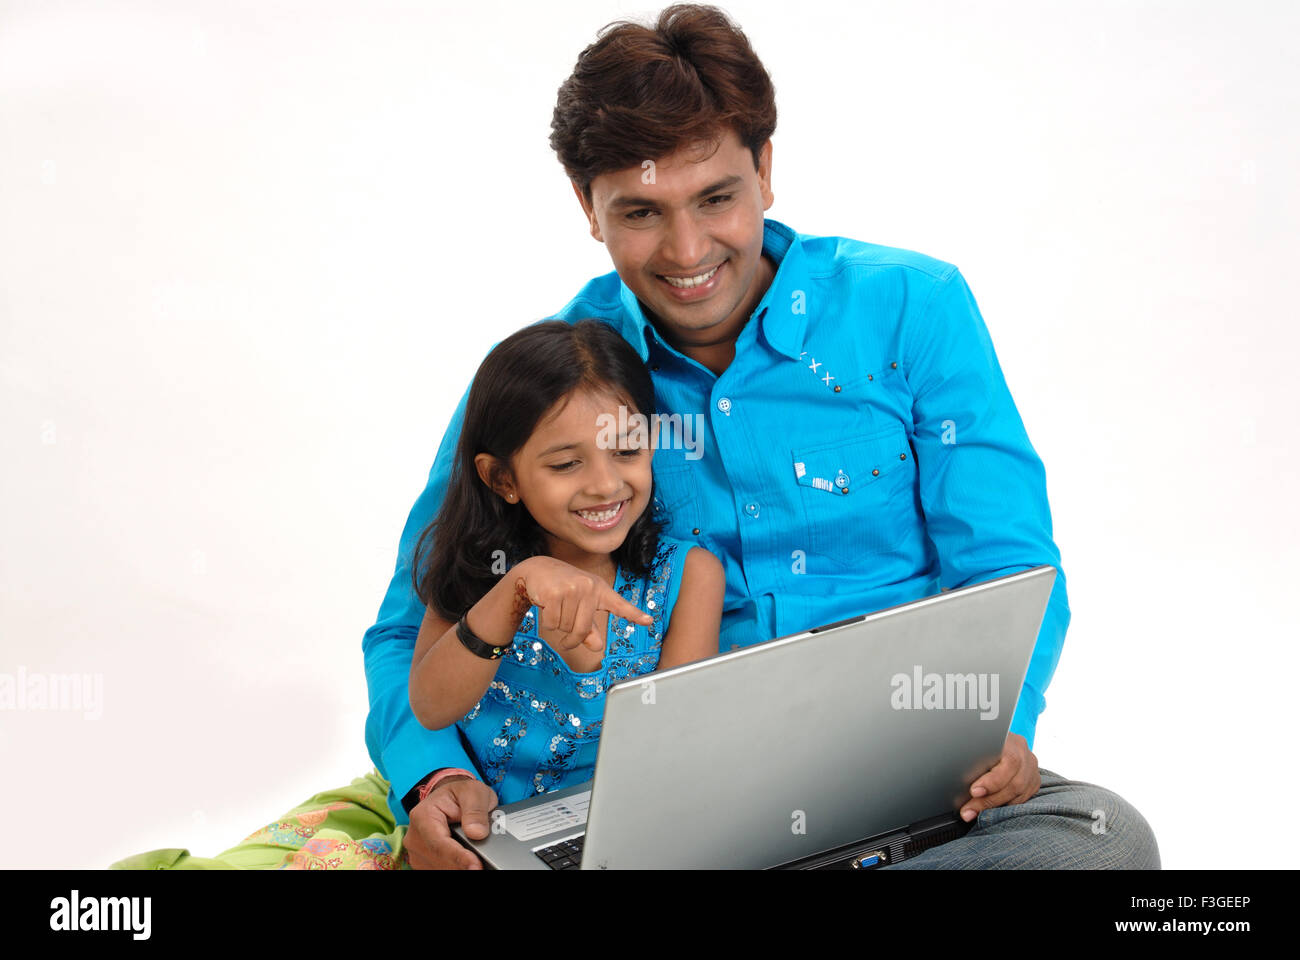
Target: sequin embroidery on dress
537 726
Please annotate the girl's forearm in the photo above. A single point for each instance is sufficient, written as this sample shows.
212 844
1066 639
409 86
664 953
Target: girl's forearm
448 680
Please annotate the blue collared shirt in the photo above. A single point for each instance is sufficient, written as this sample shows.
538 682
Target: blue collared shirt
861 450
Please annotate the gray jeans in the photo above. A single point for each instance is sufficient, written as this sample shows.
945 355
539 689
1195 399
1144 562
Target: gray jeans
1066 825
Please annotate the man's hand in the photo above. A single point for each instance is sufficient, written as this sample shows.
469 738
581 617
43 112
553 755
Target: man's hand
1013 779
429 843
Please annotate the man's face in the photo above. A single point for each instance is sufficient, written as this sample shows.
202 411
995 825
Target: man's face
686 236
584 490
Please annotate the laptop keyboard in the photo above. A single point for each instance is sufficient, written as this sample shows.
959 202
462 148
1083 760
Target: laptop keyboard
565 855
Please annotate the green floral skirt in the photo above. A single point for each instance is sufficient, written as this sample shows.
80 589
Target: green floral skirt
350 828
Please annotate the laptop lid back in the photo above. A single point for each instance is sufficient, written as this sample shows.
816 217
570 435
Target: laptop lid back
785 749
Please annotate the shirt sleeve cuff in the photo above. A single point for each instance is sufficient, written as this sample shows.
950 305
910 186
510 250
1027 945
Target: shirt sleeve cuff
1025 720
412 752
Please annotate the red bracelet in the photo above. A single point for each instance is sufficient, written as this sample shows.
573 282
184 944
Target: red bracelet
442 775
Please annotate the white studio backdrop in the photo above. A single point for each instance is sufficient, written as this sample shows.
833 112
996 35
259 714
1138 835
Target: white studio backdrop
250 255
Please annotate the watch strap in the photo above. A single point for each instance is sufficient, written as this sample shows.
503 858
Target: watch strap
476 645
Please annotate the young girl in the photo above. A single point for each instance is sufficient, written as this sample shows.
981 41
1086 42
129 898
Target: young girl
545 577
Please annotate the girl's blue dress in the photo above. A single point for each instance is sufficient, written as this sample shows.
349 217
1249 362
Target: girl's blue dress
537 726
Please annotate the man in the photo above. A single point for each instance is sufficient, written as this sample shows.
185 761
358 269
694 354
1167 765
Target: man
860 446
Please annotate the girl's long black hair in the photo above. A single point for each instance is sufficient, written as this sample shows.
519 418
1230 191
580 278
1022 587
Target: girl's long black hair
523 377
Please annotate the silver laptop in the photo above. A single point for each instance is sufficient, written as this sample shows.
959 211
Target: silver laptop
851 745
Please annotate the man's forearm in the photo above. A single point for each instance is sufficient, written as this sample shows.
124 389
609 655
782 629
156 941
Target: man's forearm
983 487
403 751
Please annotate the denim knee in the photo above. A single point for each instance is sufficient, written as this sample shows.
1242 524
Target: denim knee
1120 837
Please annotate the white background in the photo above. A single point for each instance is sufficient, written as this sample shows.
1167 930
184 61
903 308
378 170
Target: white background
250 254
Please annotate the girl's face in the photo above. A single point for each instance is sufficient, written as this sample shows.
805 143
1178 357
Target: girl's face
584 481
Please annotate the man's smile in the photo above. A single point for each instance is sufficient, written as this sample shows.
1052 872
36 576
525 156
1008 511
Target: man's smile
692 287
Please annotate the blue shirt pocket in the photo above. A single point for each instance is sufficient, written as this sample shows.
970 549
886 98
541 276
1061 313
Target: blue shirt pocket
677 501
857 497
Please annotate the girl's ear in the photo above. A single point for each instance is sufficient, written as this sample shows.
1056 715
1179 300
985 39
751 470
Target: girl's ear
496 476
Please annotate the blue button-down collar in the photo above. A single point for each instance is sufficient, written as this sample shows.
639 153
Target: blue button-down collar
783 308
634 326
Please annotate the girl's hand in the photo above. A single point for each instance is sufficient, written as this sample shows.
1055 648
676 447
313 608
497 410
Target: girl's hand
568 600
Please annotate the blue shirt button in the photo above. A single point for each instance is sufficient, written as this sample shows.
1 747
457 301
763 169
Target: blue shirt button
751 509
724 404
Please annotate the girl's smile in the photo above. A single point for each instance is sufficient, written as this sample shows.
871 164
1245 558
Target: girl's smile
603 517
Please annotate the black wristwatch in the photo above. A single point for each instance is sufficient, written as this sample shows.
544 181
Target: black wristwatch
477 646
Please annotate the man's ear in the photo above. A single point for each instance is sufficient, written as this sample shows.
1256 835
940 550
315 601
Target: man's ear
765 174
497 477
587 211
